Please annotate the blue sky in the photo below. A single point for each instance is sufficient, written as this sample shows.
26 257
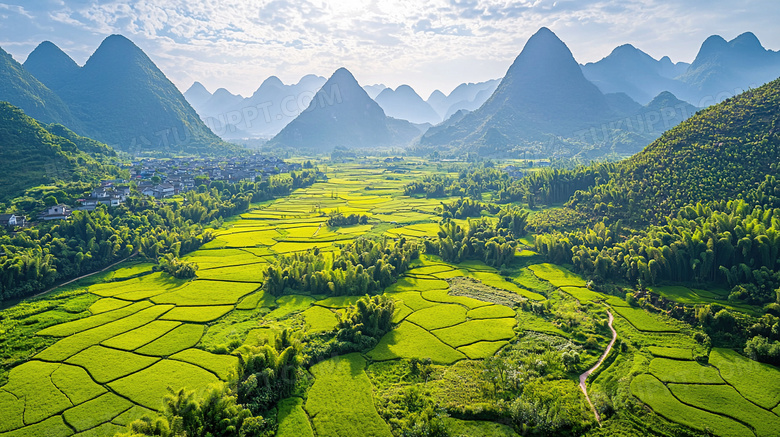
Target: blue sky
427 44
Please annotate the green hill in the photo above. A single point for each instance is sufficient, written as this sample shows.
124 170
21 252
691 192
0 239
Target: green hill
124 100
23 90
720 153
31 155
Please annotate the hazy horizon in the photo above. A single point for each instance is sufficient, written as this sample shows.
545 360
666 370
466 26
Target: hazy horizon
236 46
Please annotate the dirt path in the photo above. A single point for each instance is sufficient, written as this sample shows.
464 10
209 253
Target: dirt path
584 376
82 277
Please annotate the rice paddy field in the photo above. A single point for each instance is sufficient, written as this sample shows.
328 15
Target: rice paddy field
111 349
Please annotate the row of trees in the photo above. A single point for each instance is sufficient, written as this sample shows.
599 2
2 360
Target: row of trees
361 267
37 258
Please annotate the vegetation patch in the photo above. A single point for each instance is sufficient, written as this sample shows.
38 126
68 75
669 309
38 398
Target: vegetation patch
11 411
289 304
491 312
180 338
319 319
532 322
76 343
220 365
645 321
51 427
243 273
138 337
134 413
557 275
206 293
723 399
139 288
482 349
150 385
107 304
255 300
70 328
293 421
341 400
443 296
678 371
410 341
475 289
477 330
583 295
654 394
417 284
105 364
493 279
337 301
439 316
99 410
412 299
106 429
457 427
32 382
76 384
197 314
671 352
759 383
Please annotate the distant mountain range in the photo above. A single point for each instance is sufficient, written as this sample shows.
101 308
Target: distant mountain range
721 69
342 114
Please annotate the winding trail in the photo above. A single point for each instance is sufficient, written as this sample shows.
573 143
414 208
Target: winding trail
584 376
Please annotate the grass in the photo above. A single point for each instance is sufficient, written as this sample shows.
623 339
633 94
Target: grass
557 275
32 382
319 319
690 372
107 304
410 341
11 411
99 410
255 300
197 314
138 337
438 316
583 295
180 338
105 364
293 421
341 401
70 328
134 413
106 429
338 301
76 343
723 399
412 299
759 383
654 394
51 427
75 383
645 321
206 293
477 330
482 349
131 270
671 352
150 385
457 427
220 365
690 296
491 312
289 304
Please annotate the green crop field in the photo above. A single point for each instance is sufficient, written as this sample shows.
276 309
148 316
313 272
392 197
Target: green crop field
197 314
410 341
148 386
645 321
759 383
668 370
320 319
557 276
96 412
138 337
178 339
105 364
340 401
220 365
477 330
491 312
293 421
671 352
439 316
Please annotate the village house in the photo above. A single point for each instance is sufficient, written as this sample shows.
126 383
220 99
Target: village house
57 212
12 220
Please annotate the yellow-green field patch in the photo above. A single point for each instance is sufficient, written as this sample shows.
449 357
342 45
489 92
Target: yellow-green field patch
482 349
204 292
70 328
319 319
95 412
136 338
557 276
180 338
197 314
220 365
105 364
477 330
293 421
691 372
410 341
491 312
438 316
150 385
758 382
107 304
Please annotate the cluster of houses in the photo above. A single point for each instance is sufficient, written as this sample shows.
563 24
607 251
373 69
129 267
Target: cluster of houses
164 178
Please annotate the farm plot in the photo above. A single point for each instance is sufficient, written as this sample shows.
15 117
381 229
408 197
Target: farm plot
482 349
246 239
105 364
203 292
438 316
51 427
293 421
139 288
557 276
491 312
242 273
319 319
255 300
95 412
724 400
691 372
220 365
289 304
654 394
671 352
107 304
412 299
180 338
341 401
70 328
136 338
477 330
644 321
208 259
197 314
150 385
410 341
759 383
583 295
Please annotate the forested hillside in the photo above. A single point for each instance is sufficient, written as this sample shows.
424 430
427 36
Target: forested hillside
721 153
31 155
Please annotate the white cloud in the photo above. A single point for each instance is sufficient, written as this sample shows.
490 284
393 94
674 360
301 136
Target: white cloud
237 43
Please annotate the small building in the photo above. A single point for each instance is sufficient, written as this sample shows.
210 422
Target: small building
57 212
12 220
